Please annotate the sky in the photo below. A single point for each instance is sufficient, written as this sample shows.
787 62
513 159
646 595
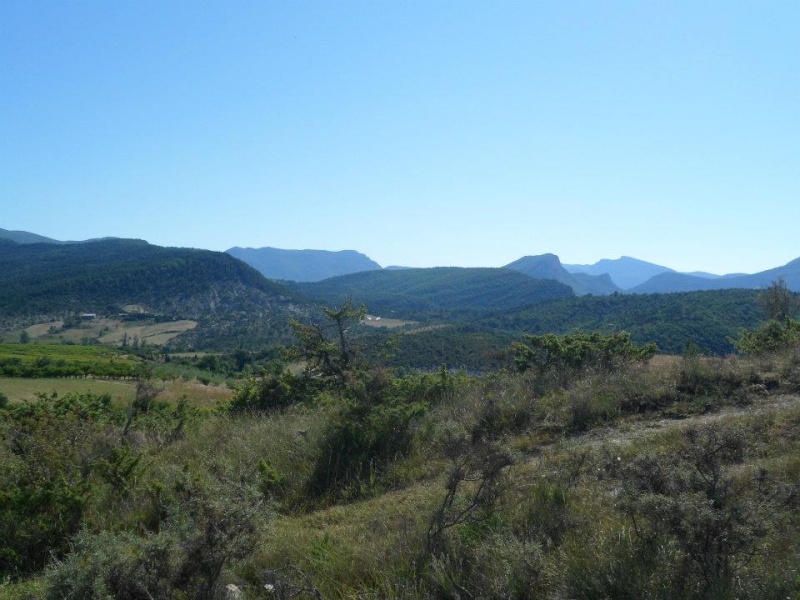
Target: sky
421 133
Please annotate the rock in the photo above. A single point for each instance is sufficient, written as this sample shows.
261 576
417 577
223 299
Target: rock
232 592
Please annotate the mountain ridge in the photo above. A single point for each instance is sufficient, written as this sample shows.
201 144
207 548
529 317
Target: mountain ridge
548 266
606 276
303 265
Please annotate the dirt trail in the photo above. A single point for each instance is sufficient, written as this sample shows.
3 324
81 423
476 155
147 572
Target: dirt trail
627 432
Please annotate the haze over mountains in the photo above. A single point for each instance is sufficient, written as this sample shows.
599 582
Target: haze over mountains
607 276
303 265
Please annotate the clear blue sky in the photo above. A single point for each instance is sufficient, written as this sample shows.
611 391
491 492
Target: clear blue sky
421 133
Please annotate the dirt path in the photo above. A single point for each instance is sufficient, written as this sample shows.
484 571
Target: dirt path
627 432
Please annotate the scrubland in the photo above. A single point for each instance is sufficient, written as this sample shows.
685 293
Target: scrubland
589 469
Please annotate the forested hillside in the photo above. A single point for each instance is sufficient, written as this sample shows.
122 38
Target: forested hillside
707 319
226 296
415 293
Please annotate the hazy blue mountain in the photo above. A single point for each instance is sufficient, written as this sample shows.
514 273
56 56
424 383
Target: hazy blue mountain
303 265
25 237
679 282
548 266
626 272
705 275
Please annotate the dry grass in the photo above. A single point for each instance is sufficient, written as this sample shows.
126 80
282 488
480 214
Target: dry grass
374 321
107 331
21 390
199 395
156 334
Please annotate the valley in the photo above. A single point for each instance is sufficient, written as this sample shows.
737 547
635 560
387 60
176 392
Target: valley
175 425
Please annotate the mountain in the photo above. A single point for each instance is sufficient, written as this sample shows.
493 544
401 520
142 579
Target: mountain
679 282
303 265
626 272
24 237
412 292
226 296
548 266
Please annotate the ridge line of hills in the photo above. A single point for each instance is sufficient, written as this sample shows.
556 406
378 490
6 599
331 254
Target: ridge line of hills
607 276
468 311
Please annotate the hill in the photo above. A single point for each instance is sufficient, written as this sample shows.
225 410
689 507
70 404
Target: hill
25 237
46 281
548 266
412 292
678 282
708 319
303 265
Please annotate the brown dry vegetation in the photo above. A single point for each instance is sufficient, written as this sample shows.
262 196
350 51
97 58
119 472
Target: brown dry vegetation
672 479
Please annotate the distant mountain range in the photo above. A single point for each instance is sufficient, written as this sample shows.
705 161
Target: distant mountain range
303 265
624 274
24 237
680 282
548 266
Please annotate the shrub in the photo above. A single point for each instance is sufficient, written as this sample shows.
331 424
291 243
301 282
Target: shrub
694 502
49 449
562 358
206 529
274 389
371 428
773 336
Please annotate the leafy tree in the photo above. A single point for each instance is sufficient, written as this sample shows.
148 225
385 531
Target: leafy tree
271 389
772 336
779 302
47 452
330 349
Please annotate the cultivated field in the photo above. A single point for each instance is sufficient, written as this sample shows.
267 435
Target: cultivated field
18 389
107 330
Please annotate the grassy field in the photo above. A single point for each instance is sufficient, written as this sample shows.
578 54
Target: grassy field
201 396
373 321
71 354
156 334
106 330
19 389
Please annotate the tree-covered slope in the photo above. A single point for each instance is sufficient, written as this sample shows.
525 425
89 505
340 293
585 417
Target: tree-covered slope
708 319
412 292
224 294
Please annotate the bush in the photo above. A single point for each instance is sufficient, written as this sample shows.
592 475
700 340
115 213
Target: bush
206 529
773 336
693 502
48 452
270 390
371 428
561 358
